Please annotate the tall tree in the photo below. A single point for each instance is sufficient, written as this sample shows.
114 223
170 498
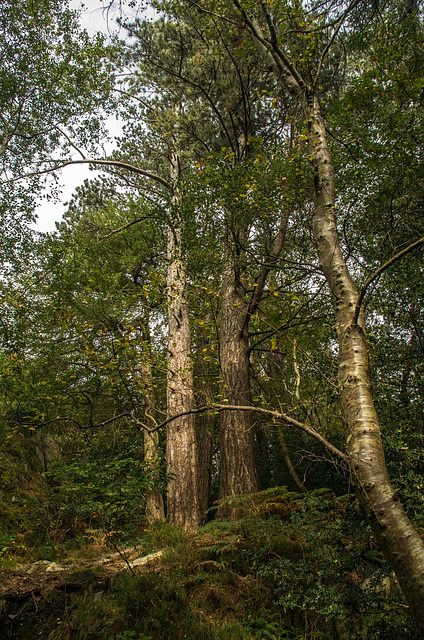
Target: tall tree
184 504
300 76
52 83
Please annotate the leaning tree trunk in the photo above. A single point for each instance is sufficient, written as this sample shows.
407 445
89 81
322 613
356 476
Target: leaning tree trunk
238 472
183 503
402 546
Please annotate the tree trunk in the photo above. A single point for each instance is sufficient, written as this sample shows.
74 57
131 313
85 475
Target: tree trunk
155 509
238 469
205 427
401 544
238 472
183 504
286 457
49 450
276 376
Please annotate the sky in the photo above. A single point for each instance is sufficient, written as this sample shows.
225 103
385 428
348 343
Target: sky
93 19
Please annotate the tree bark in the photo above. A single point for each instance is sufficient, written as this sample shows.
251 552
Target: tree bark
275 374
238 472
49 450
286 457
401 544
238 469
155 509
183 502
205 427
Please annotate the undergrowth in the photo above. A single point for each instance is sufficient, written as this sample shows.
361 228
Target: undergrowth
290 567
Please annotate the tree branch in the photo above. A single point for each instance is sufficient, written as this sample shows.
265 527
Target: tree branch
338 25
125 226
73 145
276 58
88 426
211 13
379 271
271 260
104 163
277 415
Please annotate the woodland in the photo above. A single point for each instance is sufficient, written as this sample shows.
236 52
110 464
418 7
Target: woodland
211 373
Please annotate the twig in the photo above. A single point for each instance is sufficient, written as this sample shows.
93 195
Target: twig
125 226
83 156
379 271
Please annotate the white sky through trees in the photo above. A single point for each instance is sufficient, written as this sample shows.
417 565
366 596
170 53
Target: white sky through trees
94 18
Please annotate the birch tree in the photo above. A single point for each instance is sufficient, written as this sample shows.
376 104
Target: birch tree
301 79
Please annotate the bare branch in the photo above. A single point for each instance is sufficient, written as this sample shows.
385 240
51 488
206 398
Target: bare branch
212 13
277 415
89 426
83 156
133 97
125 226
378 273
104 163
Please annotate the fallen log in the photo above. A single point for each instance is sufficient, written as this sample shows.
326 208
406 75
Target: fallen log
42 577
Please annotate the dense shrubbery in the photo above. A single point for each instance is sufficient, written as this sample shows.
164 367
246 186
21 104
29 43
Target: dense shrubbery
291 567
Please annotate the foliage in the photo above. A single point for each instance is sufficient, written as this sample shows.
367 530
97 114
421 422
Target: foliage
52 82
291 566
104 495
83 317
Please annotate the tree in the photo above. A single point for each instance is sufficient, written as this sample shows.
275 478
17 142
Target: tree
240 117
52 85
300 79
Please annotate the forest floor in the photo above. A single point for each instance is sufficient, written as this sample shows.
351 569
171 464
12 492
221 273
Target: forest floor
43 576
290 568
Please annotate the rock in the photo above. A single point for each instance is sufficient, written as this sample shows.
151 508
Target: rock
384 586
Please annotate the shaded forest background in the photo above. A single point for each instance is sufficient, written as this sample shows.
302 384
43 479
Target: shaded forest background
195 359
